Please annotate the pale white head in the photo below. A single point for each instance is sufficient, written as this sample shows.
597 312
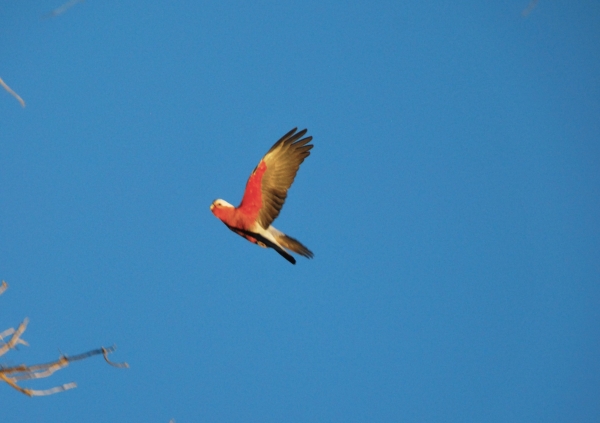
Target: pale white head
220 203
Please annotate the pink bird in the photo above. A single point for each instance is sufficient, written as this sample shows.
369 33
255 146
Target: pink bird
266 191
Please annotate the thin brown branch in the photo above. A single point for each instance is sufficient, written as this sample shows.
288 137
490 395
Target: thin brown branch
38 371
36 392
12 375
12 383
106 351
11 92
53 366
6 333
101 350
16 338
55 390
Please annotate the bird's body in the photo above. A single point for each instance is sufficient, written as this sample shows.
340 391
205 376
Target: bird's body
266 191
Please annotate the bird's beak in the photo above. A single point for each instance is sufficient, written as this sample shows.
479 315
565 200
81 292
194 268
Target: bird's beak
212 206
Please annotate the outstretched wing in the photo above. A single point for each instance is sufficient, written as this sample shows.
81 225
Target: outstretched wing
282 163
266 189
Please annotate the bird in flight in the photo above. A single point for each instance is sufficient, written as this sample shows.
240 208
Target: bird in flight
266 191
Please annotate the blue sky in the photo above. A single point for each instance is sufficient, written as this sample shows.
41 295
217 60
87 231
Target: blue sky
451 201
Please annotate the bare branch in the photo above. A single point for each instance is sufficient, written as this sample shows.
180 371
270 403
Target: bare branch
15 339
106 351
12 375
55 390
11 92
7 332
12 383
35 392
102 350
38 371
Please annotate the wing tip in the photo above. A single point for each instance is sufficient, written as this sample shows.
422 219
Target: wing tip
293 137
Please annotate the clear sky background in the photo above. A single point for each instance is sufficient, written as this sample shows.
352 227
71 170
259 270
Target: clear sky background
451 200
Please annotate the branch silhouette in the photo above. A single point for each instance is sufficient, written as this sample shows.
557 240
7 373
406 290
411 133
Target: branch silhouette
11 92
13 375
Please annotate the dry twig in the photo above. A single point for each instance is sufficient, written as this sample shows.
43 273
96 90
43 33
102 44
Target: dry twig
11 92
15 338
12 375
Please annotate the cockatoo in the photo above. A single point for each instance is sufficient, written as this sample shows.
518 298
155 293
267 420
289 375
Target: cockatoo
266 191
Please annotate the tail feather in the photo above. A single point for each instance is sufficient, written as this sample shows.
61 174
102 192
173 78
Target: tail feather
293 245
260 239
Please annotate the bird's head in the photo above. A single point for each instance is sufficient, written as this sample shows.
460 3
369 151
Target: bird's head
218 206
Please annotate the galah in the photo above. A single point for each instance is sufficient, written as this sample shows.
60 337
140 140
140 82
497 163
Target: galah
266 191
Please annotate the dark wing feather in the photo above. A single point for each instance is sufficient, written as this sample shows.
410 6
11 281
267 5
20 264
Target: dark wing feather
283 161
265 241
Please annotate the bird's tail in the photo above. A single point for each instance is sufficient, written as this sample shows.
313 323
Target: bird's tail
291 244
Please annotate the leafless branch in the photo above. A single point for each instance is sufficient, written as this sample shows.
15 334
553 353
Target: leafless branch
36 392
11 92
15 339
106 351
12 375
